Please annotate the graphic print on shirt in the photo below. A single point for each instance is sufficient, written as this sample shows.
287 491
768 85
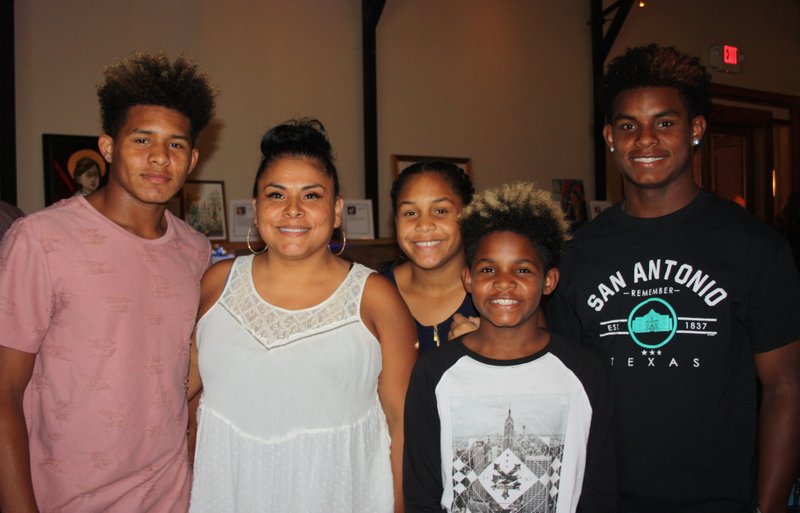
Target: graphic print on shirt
507 456
663 299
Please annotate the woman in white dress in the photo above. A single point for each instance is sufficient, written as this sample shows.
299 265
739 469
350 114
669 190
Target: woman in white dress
303 357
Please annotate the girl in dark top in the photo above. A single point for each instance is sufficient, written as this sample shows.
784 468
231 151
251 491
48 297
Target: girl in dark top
427 198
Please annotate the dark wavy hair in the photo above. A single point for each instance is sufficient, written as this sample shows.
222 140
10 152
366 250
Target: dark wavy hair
305 138
520 208
456 178
657 66
144 79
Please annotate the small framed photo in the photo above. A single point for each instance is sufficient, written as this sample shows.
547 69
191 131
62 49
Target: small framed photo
400 162
203 206
570 194
72 166
595 207
357 219
241 214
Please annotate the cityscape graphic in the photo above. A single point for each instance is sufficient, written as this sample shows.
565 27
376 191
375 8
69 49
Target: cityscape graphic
508 459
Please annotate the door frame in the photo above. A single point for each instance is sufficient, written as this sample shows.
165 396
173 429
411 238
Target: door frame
766 99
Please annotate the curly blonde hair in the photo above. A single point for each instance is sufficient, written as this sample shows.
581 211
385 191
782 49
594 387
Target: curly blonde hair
520 208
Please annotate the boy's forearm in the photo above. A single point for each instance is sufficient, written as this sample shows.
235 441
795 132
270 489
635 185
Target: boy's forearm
779 446
16 488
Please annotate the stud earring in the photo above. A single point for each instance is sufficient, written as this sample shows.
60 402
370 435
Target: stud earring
695 142
611 149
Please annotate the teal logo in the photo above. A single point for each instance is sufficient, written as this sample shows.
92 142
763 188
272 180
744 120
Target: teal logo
652 323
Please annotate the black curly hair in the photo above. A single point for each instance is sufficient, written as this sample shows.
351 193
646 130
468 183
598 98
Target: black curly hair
520 208
145 79
657 66
304 137
456 178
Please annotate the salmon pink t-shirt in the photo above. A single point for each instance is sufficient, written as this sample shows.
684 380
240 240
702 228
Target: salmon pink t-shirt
109 316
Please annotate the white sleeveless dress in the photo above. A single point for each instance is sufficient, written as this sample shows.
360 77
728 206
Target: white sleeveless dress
289 420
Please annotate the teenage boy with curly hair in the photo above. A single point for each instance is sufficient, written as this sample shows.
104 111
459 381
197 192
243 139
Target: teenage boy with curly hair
510 417
691 301
98 296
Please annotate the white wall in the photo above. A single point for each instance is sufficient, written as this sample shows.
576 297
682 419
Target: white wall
768 32
505 82
271 61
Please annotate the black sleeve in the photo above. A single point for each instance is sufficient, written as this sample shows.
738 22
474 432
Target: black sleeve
599 493
772 297
422 468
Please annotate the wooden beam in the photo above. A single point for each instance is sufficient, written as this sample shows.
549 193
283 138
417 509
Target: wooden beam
371 11
8 139
601 47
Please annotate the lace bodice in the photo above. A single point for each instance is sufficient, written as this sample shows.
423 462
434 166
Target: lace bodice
273 326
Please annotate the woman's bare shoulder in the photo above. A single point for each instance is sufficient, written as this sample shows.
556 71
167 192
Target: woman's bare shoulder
213 283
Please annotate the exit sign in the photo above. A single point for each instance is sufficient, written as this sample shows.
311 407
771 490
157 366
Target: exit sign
726 58
730 55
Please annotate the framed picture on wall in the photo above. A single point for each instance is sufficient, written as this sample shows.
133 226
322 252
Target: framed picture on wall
357 219
400 162
203 205
241 215
595 207
72 165
570 194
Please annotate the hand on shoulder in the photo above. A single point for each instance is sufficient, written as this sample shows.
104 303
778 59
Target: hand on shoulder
461 325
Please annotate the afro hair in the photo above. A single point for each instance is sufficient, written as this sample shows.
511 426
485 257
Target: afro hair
144 79
657 66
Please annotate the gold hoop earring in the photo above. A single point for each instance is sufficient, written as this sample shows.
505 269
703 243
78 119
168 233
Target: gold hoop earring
249 231
344 243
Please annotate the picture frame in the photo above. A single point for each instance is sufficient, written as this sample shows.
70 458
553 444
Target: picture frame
203 207
570 194
241 214
400 162
357 219
62 155
595 207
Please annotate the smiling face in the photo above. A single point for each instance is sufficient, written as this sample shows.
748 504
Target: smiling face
427 221
296 208
151 156
652 135
507 280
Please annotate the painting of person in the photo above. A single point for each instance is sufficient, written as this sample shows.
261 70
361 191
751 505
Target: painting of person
87 170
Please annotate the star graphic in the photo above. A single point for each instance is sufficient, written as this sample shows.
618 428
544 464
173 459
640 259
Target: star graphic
652 353
644 352
658 352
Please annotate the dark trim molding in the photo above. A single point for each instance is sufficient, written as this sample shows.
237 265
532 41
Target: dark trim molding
601 47
8 139
370 15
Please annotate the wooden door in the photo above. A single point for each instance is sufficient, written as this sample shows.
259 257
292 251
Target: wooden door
736 161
